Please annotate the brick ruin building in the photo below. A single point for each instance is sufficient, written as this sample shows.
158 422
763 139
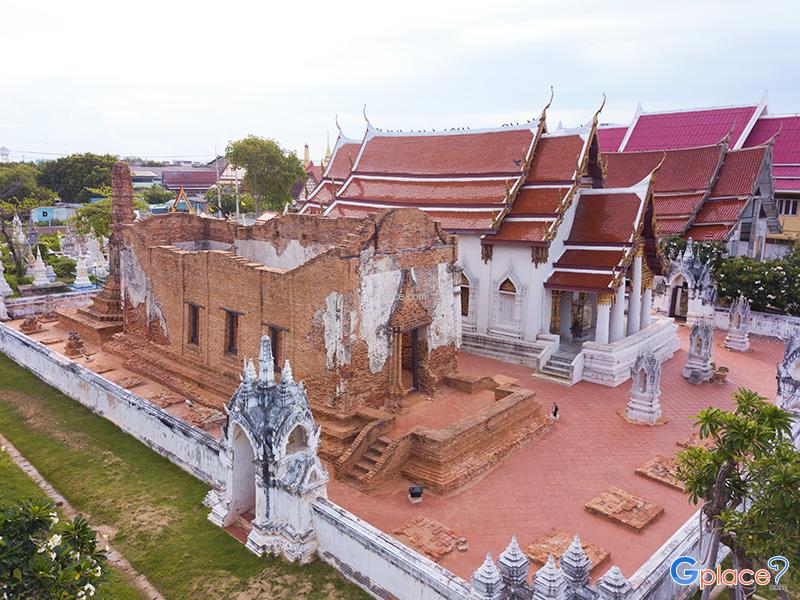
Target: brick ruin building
366 310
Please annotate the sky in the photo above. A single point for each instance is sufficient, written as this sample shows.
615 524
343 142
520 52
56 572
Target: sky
164 79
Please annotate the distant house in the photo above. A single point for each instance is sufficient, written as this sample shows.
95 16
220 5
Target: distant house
143 178
59 212
194 181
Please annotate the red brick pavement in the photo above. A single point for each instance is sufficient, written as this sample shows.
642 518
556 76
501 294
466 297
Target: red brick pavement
546 484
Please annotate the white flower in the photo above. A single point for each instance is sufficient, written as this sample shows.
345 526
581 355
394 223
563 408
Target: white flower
52 555
54 517
54 541
89 588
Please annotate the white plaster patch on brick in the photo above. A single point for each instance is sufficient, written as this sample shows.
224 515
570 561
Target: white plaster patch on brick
379 286
443 329
339 326
137 287
294 255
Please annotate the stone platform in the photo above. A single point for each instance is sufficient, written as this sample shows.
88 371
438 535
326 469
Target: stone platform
88 325
28 290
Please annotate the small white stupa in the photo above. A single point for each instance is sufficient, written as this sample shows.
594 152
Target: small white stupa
39 271
3 310
5 289
81 274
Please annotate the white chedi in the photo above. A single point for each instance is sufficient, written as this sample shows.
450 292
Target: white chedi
3 310
82 274
5 289
39 271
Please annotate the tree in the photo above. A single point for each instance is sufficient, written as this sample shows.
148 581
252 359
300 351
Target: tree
72 176
748 480
96 216
156 195
271 170
227 201
43 558
18 181
7 211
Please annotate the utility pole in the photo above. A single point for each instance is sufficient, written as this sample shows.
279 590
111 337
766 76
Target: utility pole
236 187
219 191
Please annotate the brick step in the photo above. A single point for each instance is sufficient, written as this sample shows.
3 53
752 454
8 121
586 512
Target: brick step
365 466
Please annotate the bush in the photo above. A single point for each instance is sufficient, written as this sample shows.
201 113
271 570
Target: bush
42 558
772 285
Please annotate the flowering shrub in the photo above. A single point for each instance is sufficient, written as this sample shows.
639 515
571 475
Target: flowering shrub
768 284
42 558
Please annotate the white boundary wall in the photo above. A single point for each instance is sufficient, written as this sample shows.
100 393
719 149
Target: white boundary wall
777 326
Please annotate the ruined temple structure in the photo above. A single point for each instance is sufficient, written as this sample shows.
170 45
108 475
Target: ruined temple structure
738 338
698 365
644 406
103 318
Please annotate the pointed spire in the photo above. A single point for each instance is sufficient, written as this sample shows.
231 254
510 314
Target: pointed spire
613 585
575 564
266 362
306 156
513 565
5 289
286 374
487 584
327 158
249 372
548 583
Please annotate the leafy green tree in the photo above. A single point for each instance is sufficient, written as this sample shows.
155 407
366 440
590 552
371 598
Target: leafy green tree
271 170
96 216
8 208
748 480
72 176
156 195
19 181
227 201
43 558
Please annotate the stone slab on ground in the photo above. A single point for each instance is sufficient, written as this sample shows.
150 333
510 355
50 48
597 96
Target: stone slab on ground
662 469
430 537
555 542
624 508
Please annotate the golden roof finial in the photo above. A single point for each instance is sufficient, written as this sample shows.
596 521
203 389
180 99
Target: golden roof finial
327 158
306 157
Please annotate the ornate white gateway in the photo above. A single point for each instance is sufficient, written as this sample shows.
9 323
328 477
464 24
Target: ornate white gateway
273 473
789 383
687 291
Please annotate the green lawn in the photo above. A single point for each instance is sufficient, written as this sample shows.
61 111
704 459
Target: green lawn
18 487
154 508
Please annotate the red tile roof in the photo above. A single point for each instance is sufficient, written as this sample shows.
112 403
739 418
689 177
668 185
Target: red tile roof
341 161
786 150
709 233
589 259
538 201
688 129
609 138
459 220
464 153
430 193
315 172
739 172
604 218
189 179
683 170
323 194
555 159
580 281
519 231
672 226
676 204
720 211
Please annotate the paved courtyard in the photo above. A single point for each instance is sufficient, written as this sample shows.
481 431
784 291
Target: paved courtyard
546 484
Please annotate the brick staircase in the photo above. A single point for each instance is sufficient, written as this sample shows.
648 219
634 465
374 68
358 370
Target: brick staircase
521 352
369 460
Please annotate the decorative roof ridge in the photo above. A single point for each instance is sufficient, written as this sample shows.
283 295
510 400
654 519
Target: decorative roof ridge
568 131
780 116
341 140
530 125
699 109
631 152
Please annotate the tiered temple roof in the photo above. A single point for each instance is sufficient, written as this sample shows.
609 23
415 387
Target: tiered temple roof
784 132
463 179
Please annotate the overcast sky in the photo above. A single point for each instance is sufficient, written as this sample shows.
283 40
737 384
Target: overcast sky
167 78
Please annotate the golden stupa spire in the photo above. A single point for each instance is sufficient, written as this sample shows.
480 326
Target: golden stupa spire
306 157
327 158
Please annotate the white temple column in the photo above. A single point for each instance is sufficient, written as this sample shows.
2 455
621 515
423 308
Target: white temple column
617 329
547 308
635 297
647 304
565 314
603 318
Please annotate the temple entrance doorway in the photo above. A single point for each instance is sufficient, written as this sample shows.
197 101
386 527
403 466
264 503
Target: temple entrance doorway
411 357
243 489
679 302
